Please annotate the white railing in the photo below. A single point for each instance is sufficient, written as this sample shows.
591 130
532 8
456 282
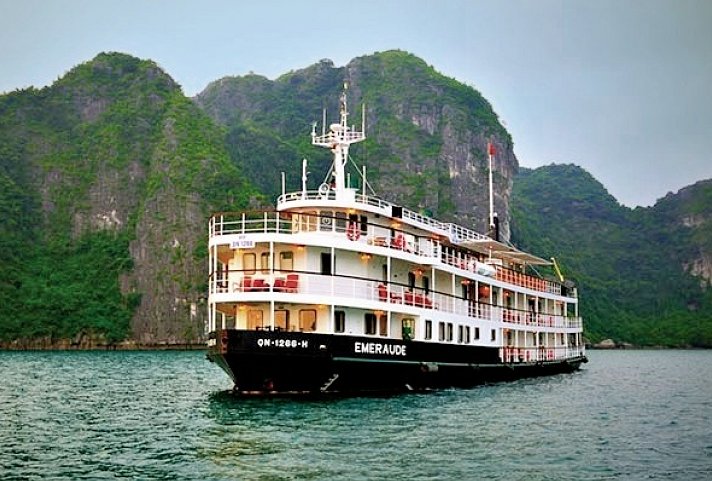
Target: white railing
326 287
455 232
424 247
514 354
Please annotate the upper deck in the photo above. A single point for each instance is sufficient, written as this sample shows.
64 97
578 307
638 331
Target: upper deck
319 222
454 233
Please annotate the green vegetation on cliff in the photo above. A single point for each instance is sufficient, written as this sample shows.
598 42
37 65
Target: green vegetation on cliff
629 264
110 164
107 179
413 111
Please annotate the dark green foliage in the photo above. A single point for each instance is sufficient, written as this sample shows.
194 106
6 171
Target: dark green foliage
118 132
628 264
269 124
73 289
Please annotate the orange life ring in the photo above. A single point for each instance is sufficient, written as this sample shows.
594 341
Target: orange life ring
352 231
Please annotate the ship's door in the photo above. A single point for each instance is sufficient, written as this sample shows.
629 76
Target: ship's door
472 298
326 264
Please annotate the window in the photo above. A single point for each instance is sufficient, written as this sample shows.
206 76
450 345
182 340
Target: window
411 281
494 335
281 319
364 225
326 220
340 221
339 321
254 320
369 323
441 331
407 328
477 334
426 284
449 331
326 263
428 329
383 325
464 291
264 262
385 273
307 319
248 263
286 261
459 333
466 340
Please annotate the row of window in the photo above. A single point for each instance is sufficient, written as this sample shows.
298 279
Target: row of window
464 333
306 321
249 262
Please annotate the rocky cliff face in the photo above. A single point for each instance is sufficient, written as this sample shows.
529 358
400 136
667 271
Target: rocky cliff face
688 216
125 166
643 274
428 134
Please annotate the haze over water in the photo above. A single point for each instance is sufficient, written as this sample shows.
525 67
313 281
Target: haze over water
167 415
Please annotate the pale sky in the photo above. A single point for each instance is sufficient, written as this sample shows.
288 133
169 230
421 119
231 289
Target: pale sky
621 88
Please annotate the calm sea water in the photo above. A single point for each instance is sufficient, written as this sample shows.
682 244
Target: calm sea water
168 416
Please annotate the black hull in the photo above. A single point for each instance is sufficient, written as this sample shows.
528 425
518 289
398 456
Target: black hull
266 362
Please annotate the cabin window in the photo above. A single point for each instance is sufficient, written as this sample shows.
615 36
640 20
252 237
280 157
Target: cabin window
464 291
307 319
411 281
248 263
326 220
264 262
449 331
369 323
339 321
326 263
493 335
383 325
309 221
286 261
340 221
460 334
467 335
254 319
426 284
477 334
441 331
364 225
281 319
428 329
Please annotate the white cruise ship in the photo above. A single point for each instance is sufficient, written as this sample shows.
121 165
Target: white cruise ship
339 291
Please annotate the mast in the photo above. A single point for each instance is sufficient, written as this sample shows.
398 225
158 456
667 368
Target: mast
492 226
339 137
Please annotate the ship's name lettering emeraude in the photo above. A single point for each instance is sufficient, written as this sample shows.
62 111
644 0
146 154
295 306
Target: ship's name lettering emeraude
378 348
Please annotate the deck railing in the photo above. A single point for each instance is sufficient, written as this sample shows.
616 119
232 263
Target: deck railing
240 287
514 354
376 235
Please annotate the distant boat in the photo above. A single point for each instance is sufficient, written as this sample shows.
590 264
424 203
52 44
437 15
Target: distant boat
340 291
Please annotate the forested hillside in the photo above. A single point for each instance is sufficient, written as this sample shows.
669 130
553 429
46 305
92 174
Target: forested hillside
427 133
107 178
643 274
